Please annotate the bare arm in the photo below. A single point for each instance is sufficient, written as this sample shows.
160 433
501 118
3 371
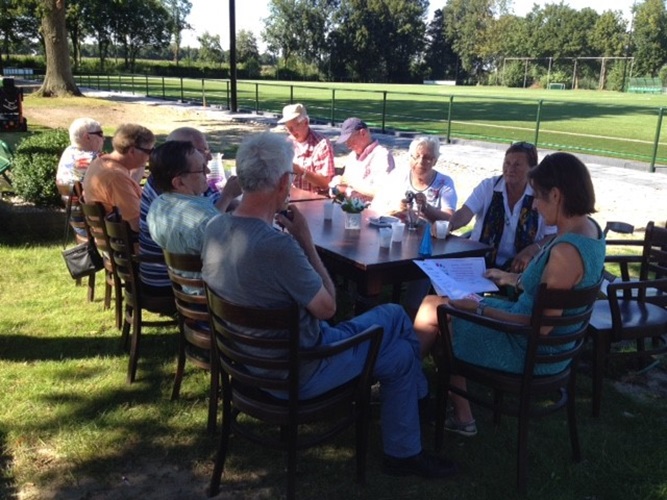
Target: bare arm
460 218
231 190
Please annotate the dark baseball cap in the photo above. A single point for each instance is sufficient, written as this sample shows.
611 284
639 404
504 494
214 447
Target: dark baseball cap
348 127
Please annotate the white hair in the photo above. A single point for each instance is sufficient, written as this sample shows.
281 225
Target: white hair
262 159
82 126
430 141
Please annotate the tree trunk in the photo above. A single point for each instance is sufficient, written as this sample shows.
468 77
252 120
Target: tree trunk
58 80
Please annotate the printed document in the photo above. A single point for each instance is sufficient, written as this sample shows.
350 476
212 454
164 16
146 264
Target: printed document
457 278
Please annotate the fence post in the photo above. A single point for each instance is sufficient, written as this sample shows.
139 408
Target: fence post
449 119
203 93
108 83
291 94
228 105
537 121
333 107
132 80
99 85
182 95
384 109
147 89
163 94
657 139
257 98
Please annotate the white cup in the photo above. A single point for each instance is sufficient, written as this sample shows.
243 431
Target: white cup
441 228
397 229
328 211
385 237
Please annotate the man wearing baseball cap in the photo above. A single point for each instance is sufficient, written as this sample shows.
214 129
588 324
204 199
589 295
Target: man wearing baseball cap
313 153
368 163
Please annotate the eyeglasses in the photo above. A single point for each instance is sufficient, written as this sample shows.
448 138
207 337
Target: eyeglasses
97 132
193 172
148 151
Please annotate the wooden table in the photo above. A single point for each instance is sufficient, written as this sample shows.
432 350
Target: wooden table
357 255
296 195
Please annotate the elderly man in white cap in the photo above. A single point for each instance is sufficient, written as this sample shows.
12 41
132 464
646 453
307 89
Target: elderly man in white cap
368 164
313 153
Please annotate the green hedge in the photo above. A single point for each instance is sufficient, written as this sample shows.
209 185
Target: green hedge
35 164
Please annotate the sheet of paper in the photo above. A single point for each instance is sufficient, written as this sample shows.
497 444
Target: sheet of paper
457 278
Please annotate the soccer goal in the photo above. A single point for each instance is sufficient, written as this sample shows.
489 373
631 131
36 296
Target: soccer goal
556 86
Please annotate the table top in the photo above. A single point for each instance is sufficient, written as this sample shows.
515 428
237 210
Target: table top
297 194
361 248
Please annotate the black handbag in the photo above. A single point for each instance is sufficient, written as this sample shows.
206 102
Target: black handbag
83 259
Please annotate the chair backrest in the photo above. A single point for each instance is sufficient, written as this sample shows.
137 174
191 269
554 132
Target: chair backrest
263 362
618 227
654 261
95 214
121 251
187 284
6 156
577 305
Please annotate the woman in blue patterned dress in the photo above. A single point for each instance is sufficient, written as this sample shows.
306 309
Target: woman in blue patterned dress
564 196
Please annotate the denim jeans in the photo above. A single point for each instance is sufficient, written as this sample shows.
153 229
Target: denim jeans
398 369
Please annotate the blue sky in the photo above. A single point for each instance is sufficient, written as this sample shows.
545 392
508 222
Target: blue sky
213 15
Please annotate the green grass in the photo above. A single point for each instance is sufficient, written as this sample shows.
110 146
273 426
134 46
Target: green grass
601 122
66 415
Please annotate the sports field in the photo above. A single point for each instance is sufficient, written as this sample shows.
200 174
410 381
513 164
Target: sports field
600 122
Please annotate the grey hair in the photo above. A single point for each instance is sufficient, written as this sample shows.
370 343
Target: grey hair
430 141
262 159
82 126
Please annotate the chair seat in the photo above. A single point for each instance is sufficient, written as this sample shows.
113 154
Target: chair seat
638 319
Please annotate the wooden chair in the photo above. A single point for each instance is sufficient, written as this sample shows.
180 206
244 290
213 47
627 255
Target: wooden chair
126 265
195 339
72 196
633 311
94 214
251 367
533 393
623 261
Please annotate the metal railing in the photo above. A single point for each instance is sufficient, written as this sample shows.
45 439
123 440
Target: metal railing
546 123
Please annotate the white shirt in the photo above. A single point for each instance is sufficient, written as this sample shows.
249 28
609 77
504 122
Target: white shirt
479 203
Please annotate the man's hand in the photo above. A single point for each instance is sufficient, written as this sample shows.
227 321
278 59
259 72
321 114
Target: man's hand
501 278
297 226
523 258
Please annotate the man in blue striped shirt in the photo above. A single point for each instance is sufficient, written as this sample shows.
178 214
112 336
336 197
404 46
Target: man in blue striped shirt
153 275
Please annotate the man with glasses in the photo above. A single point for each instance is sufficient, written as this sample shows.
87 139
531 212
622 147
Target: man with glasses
110 178
153 274
368 164
177 218
313 153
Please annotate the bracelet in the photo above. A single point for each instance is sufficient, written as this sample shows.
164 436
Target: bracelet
480 309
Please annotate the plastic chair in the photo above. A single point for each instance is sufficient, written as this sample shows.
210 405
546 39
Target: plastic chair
534 392
633 311
6 160
126 264
253 366
195 339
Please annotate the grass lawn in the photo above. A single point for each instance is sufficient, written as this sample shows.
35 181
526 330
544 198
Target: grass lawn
68 421
606 123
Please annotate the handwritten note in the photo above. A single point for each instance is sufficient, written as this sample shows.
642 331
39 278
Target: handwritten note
457 278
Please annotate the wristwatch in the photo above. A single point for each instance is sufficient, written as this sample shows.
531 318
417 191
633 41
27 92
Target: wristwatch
480 309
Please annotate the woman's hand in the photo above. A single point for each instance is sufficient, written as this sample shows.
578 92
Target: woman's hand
501 278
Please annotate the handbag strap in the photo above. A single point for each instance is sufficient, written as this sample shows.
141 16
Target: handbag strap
68 213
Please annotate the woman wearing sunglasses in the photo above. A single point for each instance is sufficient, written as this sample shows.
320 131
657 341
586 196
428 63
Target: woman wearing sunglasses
504 215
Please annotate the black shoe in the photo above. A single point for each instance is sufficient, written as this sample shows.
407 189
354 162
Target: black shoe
422 465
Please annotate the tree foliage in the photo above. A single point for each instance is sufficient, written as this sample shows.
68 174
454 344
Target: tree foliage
178 11
650 37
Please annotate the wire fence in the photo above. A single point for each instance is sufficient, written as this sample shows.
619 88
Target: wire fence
602 128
